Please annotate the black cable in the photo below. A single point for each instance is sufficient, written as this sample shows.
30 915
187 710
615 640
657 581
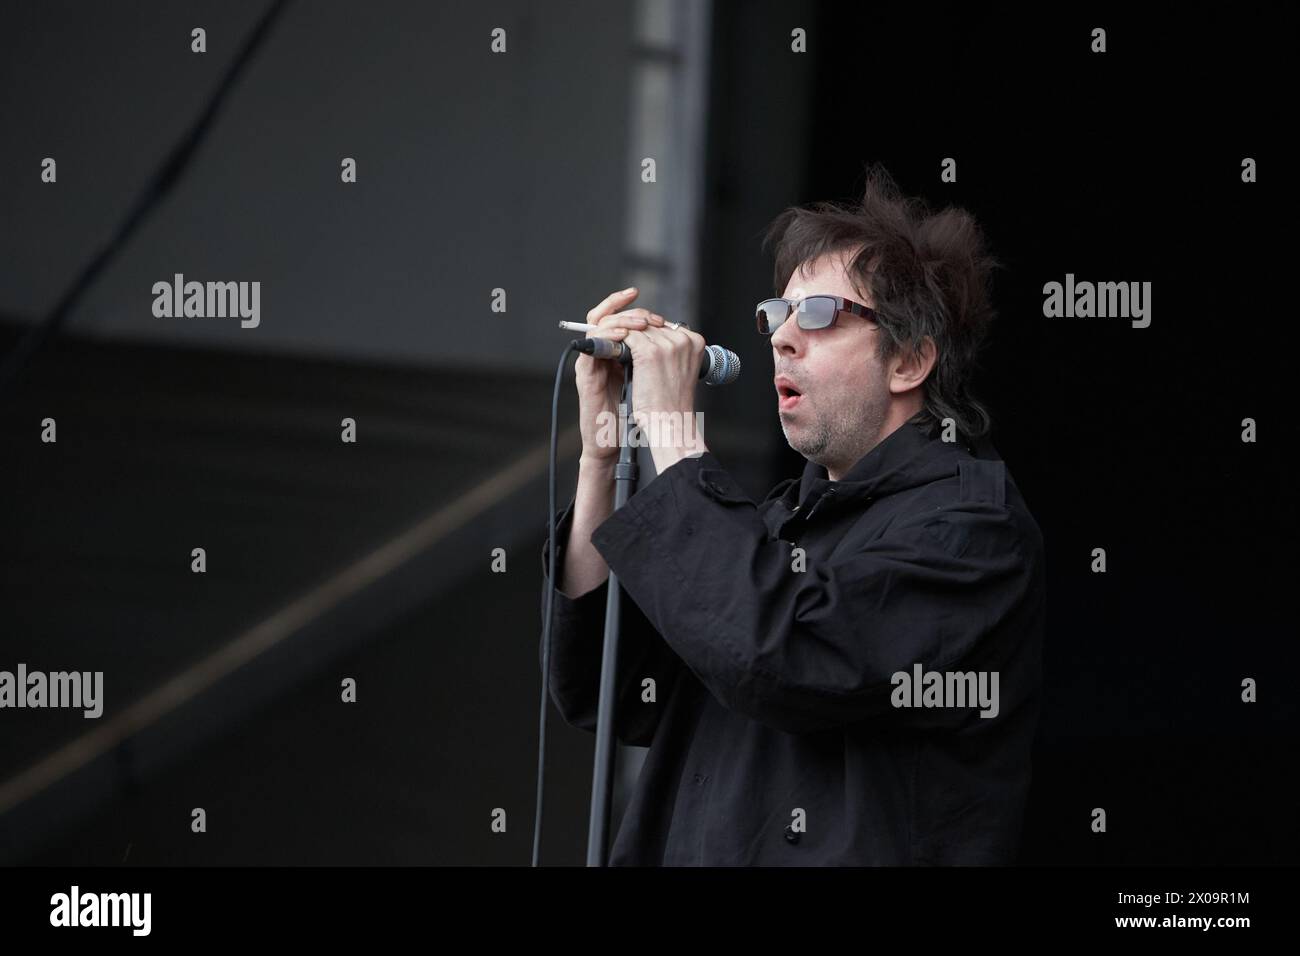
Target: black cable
550 602
162 182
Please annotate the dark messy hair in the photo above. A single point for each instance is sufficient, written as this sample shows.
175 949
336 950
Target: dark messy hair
928 274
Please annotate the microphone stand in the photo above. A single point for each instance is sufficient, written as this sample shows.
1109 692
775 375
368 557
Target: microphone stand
625 478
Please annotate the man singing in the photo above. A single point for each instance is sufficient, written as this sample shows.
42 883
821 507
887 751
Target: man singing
847 673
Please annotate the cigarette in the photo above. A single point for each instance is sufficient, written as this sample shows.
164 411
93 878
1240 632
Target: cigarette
579 326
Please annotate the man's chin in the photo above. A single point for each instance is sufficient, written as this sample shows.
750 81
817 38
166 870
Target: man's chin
797 443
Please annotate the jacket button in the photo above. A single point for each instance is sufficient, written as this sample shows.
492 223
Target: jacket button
791 834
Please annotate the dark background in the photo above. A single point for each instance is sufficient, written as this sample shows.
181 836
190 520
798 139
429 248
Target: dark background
1116 167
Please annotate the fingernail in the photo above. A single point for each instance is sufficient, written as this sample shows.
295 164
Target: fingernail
628 289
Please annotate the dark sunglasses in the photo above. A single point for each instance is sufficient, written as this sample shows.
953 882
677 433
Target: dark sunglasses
813 312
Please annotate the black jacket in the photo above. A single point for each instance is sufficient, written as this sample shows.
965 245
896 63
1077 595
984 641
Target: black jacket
775 735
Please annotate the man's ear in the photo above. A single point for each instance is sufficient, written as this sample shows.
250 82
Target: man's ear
911 367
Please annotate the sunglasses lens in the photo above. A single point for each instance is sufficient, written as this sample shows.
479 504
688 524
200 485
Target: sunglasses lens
816 312
771 313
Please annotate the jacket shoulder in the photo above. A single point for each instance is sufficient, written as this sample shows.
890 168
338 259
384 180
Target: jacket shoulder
984 480
779 490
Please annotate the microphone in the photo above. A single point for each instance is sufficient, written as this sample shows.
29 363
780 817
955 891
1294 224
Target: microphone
718 366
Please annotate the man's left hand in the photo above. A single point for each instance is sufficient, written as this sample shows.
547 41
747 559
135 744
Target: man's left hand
665 374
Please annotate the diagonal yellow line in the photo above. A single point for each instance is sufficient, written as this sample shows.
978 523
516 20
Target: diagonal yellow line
286 621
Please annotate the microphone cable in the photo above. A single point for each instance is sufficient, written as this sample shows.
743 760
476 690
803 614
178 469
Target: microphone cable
550 600
723 368
160 184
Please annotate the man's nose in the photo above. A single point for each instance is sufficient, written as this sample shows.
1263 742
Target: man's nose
788 337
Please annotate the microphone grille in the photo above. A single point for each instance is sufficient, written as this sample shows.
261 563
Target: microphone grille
724 368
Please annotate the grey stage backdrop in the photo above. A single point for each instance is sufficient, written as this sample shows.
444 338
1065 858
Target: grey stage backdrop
399 266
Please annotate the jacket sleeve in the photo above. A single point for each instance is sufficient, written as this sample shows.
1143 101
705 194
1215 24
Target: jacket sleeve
812 649
577 649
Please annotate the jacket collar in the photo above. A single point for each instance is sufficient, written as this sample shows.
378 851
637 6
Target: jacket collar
905 458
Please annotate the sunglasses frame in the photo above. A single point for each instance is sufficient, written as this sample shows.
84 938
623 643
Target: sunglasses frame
841 305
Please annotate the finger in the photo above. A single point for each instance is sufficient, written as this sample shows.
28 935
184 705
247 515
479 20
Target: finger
649 341
611 303
659 322
639 319
674 338
684 333
631 318
609 332
658 335
638 339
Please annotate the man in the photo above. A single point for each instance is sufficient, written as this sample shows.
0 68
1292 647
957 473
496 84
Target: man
847 672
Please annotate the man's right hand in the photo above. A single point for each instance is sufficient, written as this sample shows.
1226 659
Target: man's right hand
600 381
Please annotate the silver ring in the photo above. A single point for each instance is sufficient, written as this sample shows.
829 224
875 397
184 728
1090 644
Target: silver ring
674 325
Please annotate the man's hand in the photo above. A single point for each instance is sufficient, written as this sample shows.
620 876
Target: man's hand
666 372
600 381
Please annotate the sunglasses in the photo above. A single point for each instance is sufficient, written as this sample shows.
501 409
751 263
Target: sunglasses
813 312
